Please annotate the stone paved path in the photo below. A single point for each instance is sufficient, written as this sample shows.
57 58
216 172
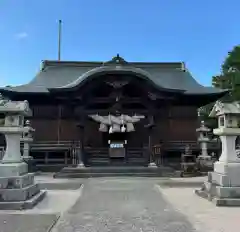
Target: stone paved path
27 222
122 204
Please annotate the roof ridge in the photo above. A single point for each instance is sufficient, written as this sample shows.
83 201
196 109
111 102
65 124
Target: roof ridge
164 65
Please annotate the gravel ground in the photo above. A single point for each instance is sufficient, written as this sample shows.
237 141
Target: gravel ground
122 204
204 215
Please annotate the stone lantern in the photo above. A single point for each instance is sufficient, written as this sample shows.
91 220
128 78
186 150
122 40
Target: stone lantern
27 139
204 160
223 184
17 187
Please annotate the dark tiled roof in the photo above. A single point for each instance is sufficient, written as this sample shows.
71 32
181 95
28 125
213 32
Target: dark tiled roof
62 75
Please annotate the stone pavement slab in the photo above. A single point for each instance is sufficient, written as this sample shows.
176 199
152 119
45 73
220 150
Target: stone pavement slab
122 204
27 222
182 182
46 181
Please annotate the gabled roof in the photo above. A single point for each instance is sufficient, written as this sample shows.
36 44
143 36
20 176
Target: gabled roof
225 108
56 75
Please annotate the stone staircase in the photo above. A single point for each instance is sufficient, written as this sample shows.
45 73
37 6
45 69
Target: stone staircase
100 157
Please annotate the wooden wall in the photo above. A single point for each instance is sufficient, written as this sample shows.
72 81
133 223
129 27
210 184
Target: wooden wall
175 123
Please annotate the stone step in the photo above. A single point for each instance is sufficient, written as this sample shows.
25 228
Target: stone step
234 202
117 163
21 205
117 169
86 172
90 175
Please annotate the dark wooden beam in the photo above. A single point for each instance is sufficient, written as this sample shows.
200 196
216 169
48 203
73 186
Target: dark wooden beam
124 100
123 111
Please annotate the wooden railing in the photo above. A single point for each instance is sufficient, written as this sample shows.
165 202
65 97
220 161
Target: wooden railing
52 145
69 149
180 145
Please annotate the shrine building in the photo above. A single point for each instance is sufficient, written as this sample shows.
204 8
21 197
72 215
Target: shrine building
112 112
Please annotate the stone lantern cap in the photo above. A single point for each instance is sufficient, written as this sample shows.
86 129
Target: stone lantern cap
28 126
203 128
225 109
14 107
28 131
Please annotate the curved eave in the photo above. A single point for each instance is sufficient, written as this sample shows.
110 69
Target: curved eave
93 73
24 90
205 98
73 88
58 90
212 93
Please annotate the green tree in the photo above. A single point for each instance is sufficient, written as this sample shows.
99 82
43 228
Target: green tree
230 75
229 78
204 115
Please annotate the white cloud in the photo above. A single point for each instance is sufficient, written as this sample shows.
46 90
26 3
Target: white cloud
21 35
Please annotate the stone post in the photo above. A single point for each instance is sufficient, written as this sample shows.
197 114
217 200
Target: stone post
223 185
17 187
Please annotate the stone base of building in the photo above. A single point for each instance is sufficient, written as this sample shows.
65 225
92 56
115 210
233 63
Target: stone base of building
219 189
17 187
114 171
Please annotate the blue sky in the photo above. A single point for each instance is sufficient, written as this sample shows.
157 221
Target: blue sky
199 33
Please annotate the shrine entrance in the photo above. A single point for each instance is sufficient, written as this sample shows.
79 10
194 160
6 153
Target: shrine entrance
116 133
122 115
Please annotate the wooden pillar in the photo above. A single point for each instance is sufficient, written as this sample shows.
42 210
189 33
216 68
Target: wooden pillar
46 157
151 158
81 152
65 157
149 127
59 123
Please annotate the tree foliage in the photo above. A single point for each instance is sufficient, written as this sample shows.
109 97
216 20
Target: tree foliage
229 78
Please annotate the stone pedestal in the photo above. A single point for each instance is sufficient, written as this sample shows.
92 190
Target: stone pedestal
223 185
152 165
17 188
81 165
26 153
222 189
188 163
205 163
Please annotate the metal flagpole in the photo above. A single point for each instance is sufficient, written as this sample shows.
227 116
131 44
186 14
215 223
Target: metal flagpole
59 38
